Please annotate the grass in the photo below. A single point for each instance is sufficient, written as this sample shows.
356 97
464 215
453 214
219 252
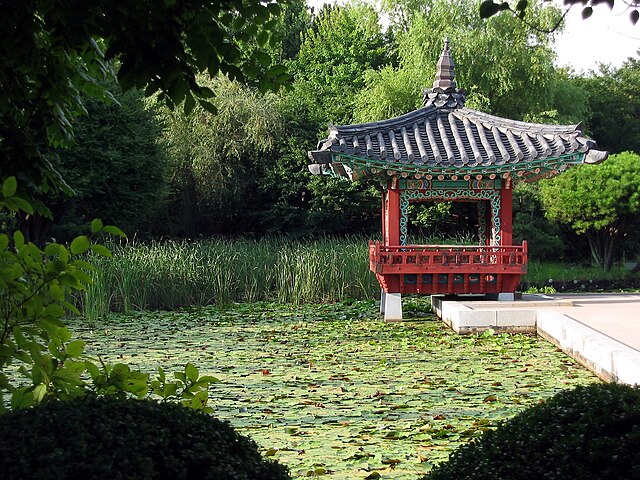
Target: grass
540 273
329 389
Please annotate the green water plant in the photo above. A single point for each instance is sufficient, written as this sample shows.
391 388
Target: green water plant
106 437
590 432
329 387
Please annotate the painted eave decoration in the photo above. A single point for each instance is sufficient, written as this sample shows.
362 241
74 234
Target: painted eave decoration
446 140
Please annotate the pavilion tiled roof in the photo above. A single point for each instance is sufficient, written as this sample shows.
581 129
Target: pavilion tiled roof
446 137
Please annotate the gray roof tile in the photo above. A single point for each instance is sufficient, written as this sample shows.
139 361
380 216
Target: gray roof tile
445 135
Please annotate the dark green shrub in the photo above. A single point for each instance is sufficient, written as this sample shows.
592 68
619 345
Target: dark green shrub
106 438
591 432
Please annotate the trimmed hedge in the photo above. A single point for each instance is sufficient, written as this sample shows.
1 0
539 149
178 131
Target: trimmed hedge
590 432
107 438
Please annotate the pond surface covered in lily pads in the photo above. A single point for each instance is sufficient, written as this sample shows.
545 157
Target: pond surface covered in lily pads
332 390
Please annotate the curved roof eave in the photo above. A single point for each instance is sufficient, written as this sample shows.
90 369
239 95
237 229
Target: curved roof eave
432 137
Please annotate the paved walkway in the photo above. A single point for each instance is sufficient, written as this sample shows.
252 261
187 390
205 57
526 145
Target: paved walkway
615 315
602 331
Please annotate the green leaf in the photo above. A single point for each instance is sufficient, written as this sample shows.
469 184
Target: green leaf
199 400
101 250
634 16
39 392
92 369
208 106
83 264
189 104
54 310
522 5
113 230
488 8
52 249
169 390
9 187
17 203
21 398
263 58
191 372
587 12
96 225
76 348
79 245
262 38
276 70
18 239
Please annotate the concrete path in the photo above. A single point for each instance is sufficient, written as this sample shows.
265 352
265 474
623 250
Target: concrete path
601 331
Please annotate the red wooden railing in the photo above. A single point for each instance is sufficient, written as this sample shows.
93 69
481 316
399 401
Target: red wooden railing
432 269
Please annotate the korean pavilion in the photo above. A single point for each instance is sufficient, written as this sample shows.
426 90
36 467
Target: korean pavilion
445 151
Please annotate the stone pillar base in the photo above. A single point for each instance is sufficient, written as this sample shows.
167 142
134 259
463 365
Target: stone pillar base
391 306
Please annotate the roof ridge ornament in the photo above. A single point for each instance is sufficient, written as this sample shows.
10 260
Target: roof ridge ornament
444 92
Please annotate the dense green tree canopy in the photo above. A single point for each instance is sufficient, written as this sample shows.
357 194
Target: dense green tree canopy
341 45
116 168
53 51
614 106
505 67
600 201
218 160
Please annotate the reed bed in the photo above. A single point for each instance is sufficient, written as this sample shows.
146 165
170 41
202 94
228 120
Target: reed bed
172 274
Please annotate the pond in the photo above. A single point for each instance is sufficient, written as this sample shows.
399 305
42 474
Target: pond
330 389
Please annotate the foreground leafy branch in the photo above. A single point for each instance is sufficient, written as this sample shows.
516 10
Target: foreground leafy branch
39 361
489 8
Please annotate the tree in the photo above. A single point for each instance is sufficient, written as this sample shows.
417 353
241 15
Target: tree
544 237
53 51
614 107
116 169
218 160
294 20
599 201
501 63
342 43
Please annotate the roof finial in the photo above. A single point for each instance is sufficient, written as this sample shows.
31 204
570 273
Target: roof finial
444 92
444 69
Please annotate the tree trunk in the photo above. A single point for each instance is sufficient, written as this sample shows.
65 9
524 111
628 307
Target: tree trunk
603 244
594 246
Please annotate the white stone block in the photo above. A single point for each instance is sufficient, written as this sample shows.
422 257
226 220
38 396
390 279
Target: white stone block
626 366
393 307
506 297
466 320
516 318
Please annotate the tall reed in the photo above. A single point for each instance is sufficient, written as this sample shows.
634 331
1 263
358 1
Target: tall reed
171 274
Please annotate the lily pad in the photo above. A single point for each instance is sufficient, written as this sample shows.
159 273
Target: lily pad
332 390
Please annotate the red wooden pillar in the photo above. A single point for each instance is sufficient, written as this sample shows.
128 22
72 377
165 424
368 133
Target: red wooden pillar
391 228
506 213
391 220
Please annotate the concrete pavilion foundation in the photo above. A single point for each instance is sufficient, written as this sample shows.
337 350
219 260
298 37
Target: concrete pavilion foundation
600 331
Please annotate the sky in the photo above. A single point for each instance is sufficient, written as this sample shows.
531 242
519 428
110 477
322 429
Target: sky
606 37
